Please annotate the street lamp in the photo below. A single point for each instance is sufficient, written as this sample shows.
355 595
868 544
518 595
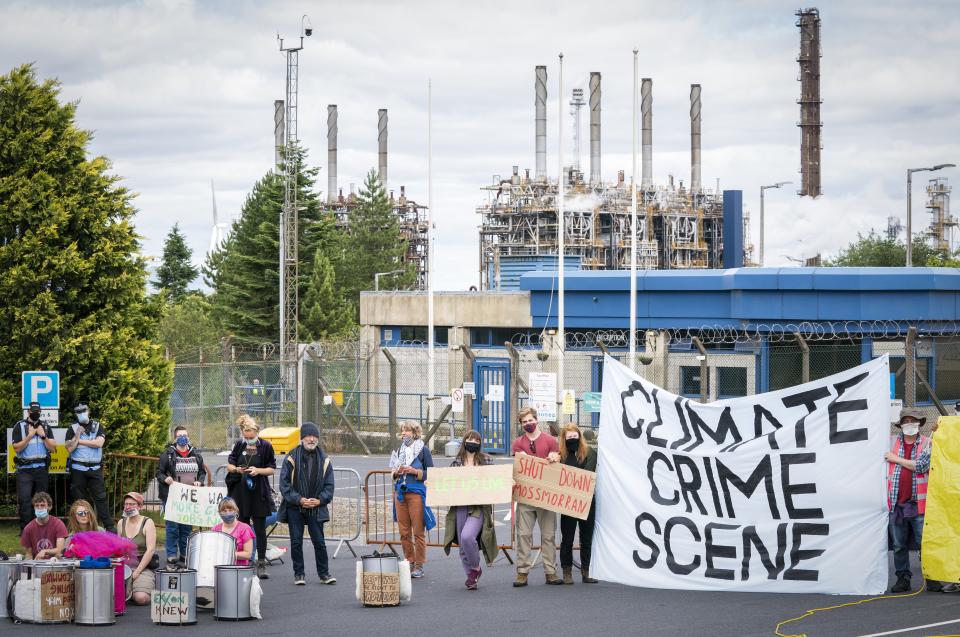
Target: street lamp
910 172
376 278
779 184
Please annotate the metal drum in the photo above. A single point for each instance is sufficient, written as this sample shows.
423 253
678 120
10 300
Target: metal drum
44 592
9 570
233 592
205 551
177 589
94 594
381 580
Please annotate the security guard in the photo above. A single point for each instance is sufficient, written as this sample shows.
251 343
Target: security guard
85 439
32 443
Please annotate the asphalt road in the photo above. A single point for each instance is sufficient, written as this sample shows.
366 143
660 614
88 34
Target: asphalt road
441 605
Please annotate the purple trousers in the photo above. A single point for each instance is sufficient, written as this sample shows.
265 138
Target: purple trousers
468 528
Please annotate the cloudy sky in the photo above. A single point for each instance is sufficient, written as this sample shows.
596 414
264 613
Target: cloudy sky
180 92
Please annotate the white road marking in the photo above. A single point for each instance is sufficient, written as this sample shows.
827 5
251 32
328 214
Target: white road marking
907 630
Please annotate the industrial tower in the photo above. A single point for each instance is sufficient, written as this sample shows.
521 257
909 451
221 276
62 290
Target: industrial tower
810 125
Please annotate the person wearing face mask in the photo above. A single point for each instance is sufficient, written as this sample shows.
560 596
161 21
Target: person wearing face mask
84 441
409 464
542 445
45 535
32 443
179 462
239 531
143 532
908 463
576 453
307 484
471 527
249 467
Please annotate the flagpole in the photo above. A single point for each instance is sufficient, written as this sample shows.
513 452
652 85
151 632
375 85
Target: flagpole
561 336
431 389
633 228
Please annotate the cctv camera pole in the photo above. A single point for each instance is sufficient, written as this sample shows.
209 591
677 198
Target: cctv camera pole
289 219
633 229
430 336
561 336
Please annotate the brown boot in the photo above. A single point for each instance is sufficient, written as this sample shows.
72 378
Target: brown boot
585 574
568 575
553 580
521 580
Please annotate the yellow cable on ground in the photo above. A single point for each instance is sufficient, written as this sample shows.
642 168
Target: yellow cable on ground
813 611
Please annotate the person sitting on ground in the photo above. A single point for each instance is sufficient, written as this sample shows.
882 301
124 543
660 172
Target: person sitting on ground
141 529
240 531
44 536
80 519
471 527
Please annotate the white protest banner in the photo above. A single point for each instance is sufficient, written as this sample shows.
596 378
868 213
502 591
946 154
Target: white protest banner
196 506
780 492
456 486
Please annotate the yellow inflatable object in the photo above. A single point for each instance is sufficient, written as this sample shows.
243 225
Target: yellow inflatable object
283 439
940 549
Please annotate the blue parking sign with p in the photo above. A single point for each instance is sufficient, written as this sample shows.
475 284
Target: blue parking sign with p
41 387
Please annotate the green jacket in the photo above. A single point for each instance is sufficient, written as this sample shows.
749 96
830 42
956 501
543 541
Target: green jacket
488 536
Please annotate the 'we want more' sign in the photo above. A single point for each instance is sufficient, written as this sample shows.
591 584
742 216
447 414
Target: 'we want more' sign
784 491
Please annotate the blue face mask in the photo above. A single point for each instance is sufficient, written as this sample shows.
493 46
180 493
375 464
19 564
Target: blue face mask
408 440
183 441
228 517
83 417
41 513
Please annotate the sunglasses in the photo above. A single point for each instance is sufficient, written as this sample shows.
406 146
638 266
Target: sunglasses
82 514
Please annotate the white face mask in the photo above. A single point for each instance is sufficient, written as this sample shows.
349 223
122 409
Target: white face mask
911 429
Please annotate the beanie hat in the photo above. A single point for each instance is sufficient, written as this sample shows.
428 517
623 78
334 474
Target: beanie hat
309 429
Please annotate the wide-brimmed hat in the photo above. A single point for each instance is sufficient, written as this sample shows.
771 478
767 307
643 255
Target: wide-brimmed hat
912 413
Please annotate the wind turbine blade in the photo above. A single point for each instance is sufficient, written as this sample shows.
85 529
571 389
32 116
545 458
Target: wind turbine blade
213 195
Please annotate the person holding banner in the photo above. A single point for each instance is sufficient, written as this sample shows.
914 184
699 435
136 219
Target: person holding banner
32 443
542 445
908 463
576 453
179 462
249 467
239 531
471 527
143 532
409 464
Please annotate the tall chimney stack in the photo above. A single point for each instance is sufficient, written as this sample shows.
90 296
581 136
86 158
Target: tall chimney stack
382 140
331 153
595 127
540 87
695 138
278 134
646 142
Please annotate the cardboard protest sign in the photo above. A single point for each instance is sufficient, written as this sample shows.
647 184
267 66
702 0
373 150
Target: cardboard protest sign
781 492
169 607
456 486
196 506
553 486
56 595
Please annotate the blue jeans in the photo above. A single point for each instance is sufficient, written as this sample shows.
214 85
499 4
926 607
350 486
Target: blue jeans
900 536
296 521
177 535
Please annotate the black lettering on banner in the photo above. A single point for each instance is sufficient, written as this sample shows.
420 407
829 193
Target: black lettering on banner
809 400
759 414
725 426
714 492
718 550
650 544
838 406
763 473
631 431
750 537
689 485
652 440
678 403
654 491
797 554
680 569
790 490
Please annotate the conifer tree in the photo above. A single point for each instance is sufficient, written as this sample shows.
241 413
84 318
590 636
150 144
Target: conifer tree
324 313
71 275
175 273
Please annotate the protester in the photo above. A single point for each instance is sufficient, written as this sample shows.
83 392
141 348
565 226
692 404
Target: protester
44 537
409 464
84 441
143 532
249 467
307 484
576 453
181 463
80 519
471 527
908 462
32 443
239 531
542 445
